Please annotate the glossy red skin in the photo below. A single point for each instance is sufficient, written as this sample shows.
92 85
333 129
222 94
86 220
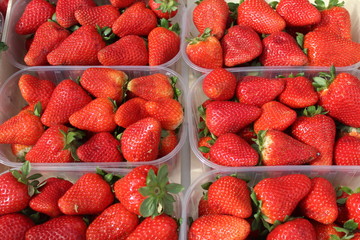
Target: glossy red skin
160 14
168 143
297 229
204 208
203 142
13 226
122 3
130 112
65 10
346 151
219 85
353 207
324 231
298 13
102 16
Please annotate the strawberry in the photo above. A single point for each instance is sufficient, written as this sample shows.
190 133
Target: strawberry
34 90
20 150
297 229
279 196
140 141
136 20
346 151
233 151
317 130
275 116
102 16
205 51
102 147
325 232
3 7
130 112
13 226
67 98
122 3
204 146
248 134
91 194
104 83
219 227
161 227
219 85
63 227
163 43
280 49
258 15
349 131
47 37
164 8
65 11
257 91
353 207
115 222
80 48
168 142
211 14
229 117
50 193
204 208
298 13
129 50
298 92
36 13
278 148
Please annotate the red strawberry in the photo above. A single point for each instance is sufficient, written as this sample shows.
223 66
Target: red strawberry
233 151
47 37
36 13
229 117
3 7
168 142
278 148
67 98
219 227
297 229
129 50
63 227
102 147
20 150
298 13
13 226
164 8
346 151
130 112
353 207
80 48
65 10
324 232
204 145
240 45
91 194
211 14
257 91
205 51
275 116
281 195
317 130
136 20
122 3
102 16
293 30
204 208
280 49
258 15
219 85
50 193
248 134
115 222
104 83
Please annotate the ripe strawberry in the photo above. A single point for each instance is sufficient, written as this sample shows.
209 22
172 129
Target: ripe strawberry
211 14
233 151
240 45
3 7
136 20
115 222
280 49
281 195
317 130
102 16
257 91
129 50
298 13
168 142
67 98
248 134
13 226
204 146
205 51
47 37
50 193
122 3
346 151
164 8
297 229
102 147
20 150
229 117
275 116
65 10
258 15
80 48
34 90
278 148
204 208
36 13
219 227
130 112
219 85
353 207
63 227
325 232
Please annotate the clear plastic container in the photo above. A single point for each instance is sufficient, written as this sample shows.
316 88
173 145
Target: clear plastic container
11 102
337 175
196 97
16 42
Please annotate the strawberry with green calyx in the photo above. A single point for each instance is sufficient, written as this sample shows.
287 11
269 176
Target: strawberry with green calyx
326 231
168 142
205 144
3 47
20 151
352 206
297 229
13 226
348 231
164 8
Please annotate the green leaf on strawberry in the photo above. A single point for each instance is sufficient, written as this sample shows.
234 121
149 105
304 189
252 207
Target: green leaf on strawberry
22 176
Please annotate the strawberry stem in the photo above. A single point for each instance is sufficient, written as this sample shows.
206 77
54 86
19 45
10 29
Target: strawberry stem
3 47
167 6
38 109
313 111
203 37
31 181
324 79
320 4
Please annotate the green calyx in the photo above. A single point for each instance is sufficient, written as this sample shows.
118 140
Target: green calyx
38 109
113 102
300 42
158 192
313 111
3 47
291 75
324 79
348 229
108 177
273 4
31 181
107 34
71 141
177 91
260 140
167 6
203 37
233 8
165 24
320 4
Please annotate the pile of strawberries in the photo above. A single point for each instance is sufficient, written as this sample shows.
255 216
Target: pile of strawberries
78 32
139 205
289 120
104 118
284 33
